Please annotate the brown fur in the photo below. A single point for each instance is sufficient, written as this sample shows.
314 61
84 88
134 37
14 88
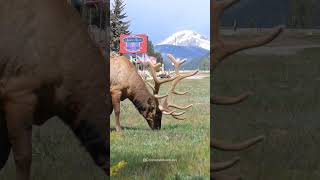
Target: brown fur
50 67
126 83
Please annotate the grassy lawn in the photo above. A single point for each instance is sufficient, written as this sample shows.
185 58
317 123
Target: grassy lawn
285 107
186 142
57 155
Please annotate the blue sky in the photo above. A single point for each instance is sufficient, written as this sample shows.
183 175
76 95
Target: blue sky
161 18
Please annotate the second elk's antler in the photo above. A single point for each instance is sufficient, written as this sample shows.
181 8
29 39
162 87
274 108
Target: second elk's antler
166 107
220 51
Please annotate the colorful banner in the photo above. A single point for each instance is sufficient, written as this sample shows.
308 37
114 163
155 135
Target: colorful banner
133 44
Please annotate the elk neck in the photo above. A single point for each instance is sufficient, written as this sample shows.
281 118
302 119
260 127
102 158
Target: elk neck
140 96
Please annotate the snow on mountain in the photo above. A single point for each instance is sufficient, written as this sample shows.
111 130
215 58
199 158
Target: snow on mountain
187 38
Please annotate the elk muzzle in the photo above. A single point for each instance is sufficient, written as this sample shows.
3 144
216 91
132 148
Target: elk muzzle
154 119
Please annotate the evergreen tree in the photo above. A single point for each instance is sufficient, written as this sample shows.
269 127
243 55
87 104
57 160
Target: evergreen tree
152 52
205 64
118 25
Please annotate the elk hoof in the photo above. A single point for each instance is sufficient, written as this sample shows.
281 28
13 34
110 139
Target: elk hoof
118 129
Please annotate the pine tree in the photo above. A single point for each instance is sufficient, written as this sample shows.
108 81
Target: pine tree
205 63
118 25
152 52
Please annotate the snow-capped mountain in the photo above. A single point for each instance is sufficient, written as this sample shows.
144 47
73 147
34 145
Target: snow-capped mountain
187 38
193 55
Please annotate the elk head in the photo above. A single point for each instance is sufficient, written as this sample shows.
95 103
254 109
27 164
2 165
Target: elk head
220 51
161 101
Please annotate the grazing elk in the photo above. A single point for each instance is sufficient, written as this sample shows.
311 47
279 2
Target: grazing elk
49 67
126 83
220 51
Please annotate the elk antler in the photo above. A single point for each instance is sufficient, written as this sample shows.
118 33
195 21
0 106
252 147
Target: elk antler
165 107
225 165
157 81
220 51
222 100
220 145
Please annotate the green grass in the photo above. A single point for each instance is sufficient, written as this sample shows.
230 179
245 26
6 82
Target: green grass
186 142
285 108
57 155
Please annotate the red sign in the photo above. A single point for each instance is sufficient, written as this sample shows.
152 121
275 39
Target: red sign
145 60
133 44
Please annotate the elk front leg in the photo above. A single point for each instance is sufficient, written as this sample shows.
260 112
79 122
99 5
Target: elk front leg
19 117
116 107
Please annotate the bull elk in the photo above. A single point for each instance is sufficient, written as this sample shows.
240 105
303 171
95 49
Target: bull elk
220 51
126 83
49 67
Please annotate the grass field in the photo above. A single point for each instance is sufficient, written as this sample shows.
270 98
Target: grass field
186 142
57 155
285 107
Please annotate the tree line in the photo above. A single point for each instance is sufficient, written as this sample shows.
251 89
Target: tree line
269 13
120 25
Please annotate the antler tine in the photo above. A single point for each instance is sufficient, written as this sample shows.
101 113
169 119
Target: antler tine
179 77
176 81
224 165
157 82
165 108
218 7
220 145
161 97
223 100
225 4
226 49
168 113
221 49
180 107
179 118
176 63
178 113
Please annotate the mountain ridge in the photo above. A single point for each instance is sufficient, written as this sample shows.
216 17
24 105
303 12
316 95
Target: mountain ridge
192 54
187 38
